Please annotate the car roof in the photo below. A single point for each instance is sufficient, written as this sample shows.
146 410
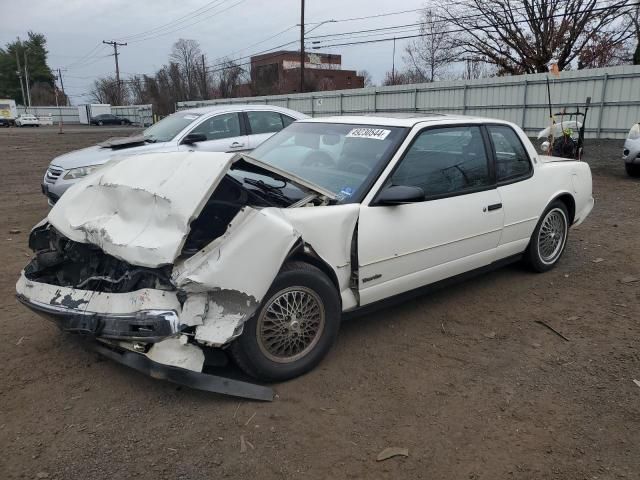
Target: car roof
240 108
402 119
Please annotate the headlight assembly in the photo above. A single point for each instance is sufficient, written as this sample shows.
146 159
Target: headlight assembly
80 172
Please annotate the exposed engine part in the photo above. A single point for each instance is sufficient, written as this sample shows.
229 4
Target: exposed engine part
60 261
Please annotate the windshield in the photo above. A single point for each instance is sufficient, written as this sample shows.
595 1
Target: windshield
167 128
341 158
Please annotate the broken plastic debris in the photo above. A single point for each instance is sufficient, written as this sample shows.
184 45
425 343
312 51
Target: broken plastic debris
391 452
637 382
628 279
598 260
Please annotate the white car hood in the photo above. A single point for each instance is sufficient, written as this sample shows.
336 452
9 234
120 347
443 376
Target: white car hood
139 209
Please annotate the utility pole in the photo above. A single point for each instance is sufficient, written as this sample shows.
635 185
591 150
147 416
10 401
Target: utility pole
62 87
115 46
26 76
19 73
302 55
393 63
205 93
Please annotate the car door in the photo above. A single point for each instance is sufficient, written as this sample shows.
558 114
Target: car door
456 228
224 133
516 186
262 124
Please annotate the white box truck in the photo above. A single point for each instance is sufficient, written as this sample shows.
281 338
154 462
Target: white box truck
8 110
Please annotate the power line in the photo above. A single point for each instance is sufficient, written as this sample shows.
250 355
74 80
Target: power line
193 13
460 30
200 20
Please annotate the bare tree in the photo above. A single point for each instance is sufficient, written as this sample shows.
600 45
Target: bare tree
105 90
403 78
633 16
186 54
523 36
432 53
603 51
368 82
228 78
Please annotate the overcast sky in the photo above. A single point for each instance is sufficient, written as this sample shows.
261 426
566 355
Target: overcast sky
75 28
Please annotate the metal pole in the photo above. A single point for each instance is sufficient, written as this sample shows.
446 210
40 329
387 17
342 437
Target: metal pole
19 73
62 87
524 105
464 99
393 63
26 76
302 54
204 80
601 112
115 46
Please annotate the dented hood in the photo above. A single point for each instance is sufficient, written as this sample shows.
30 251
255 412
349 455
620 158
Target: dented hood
138 209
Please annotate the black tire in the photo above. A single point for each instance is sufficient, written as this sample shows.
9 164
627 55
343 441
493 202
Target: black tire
100 124
249 350
632 170
537 261
123 122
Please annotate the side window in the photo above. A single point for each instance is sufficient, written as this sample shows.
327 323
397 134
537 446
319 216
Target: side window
286 121
444 161
512 161
219 127
264 122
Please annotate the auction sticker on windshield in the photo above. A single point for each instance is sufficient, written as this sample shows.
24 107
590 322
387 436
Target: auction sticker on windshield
372 133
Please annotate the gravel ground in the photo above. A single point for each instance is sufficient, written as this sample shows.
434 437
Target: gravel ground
464 378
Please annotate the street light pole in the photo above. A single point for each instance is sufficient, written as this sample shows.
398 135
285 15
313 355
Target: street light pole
302 54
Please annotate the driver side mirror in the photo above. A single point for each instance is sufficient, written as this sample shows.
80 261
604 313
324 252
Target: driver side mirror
399 195
192 138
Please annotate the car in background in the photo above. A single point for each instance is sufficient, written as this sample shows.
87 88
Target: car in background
224 128
631 152
166 256
26 120
109 119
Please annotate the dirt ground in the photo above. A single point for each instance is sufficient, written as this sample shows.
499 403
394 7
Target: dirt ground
464 378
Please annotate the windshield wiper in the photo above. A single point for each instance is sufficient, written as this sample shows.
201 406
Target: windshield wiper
150 140
274 192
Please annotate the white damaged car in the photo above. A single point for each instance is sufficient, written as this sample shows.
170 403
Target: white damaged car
167 256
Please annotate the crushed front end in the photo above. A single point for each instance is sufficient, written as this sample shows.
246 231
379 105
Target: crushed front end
135 314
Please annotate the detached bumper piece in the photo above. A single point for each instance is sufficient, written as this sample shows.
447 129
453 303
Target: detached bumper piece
148 326
145 326
188 378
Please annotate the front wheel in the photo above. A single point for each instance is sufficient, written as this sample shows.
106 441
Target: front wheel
294 327
549 238
100 124
632 170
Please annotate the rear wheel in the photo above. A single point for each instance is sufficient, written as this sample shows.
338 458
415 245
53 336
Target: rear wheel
122 122
549 238
632 170
293 329
100 123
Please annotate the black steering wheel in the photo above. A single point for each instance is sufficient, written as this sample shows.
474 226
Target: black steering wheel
318 158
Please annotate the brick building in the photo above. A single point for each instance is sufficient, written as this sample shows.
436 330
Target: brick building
279 72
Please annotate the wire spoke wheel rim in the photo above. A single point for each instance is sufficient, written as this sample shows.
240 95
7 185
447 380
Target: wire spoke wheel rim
552 235
290 324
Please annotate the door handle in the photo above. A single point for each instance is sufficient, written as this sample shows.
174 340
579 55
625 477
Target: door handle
237 144
495 206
